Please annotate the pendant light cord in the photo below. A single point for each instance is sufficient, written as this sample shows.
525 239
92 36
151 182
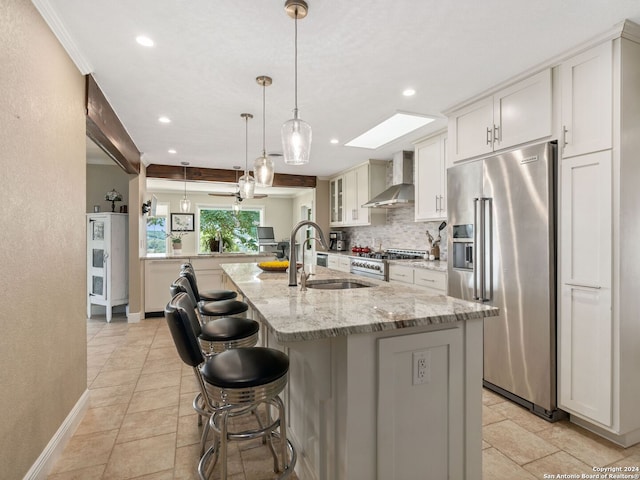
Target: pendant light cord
264 152
246 145
296 63
185 181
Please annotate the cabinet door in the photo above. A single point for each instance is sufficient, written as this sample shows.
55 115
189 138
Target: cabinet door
523 112
362 195
471 130
430 176
587 98
399 273
98 241
434 281
351 197
585 324
336 201
158 277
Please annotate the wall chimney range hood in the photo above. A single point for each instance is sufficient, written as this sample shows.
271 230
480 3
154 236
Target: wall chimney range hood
401 192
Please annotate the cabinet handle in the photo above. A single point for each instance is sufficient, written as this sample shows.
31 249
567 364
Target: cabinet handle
441 207
497 135
427 280
437 209
584 285
489 136
565 130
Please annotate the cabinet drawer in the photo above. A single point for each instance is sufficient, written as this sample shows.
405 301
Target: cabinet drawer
430 278
400 274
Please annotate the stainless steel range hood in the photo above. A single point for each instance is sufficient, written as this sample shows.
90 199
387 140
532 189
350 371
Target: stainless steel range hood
401 192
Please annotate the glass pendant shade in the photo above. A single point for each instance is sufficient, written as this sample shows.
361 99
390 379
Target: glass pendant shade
296 141
263 171
247 185
236 206
185 205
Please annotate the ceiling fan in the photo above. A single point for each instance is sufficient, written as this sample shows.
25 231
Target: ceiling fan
237 192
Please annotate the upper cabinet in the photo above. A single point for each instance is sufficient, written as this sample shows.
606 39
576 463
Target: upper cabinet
517 114
587 90
430 177
353 188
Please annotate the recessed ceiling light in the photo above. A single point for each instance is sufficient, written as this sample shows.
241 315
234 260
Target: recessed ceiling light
393 127
409 92
164 119
334 141
171 150
144 41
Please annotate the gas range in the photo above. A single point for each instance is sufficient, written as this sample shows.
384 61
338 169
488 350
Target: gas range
375 264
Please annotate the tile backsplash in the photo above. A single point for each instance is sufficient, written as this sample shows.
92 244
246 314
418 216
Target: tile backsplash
400 231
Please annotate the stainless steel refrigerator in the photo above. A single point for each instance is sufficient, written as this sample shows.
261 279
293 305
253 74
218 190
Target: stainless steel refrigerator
501 250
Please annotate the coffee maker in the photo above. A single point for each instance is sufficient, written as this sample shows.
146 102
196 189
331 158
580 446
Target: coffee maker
337 241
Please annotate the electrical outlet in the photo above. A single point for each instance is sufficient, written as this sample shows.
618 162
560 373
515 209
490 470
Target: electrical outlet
421 367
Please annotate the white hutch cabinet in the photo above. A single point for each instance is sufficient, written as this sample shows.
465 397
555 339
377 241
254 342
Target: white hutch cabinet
107 261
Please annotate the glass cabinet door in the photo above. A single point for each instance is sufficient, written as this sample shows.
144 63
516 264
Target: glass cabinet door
97 257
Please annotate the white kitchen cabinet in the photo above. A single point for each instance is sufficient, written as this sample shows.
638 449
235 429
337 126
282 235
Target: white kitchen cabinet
158 277
430 177
432 281
515 115
341 263
585 296
355 187
587 88
599 333
107 261
336 208
400 273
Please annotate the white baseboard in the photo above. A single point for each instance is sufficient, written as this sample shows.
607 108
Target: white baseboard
626 440
133 317
52 452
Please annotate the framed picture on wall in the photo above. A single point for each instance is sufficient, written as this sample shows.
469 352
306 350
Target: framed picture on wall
182 222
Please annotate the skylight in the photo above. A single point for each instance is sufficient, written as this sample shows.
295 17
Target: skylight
393 127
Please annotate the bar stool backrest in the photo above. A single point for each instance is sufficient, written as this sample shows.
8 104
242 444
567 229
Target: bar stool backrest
190 275
180 285
184 327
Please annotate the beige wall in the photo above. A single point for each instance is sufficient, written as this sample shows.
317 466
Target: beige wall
42 133
277 212
102 179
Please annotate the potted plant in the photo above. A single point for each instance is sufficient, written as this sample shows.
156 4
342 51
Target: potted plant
176 241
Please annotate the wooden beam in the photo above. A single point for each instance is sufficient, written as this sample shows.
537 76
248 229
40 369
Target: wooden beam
199 174
106 130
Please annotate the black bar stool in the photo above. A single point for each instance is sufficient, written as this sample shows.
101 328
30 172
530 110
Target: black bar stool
186 270
215 337
209 310
233 383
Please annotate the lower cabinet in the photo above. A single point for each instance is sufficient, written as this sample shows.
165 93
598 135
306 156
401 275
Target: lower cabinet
432 281
158 277
339 262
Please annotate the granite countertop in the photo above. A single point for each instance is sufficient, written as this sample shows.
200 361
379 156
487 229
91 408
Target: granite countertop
170 256
293 315
437 265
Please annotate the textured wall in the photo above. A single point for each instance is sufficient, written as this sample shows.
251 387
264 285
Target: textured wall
102 179
42 258
400 231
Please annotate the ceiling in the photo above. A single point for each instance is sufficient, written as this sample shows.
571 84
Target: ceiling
355 59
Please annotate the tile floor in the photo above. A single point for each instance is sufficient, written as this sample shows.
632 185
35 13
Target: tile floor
140 423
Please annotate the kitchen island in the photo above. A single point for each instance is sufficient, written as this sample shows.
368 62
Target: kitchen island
385 381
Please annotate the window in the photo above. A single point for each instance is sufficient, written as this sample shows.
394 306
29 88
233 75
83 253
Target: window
157 230
237 231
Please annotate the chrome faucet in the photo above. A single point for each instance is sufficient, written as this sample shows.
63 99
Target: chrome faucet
293 278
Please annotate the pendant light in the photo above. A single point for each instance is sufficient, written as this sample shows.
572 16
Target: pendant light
246 183
236 206
296 133
263 167
185 203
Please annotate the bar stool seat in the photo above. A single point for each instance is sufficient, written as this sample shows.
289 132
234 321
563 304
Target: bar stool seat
228 332
245 368
222 308
186 270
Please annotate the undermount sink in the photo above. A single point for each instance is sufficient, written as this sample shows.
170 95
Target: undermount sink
336 284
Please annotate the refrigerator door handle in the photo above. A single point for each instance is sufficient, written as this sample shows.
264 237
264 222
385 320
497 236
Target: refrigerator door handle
488 296
476 241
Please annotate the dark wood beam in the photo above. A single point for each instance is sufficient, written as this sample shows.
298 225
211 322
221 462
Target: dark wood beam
106 130
199 174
